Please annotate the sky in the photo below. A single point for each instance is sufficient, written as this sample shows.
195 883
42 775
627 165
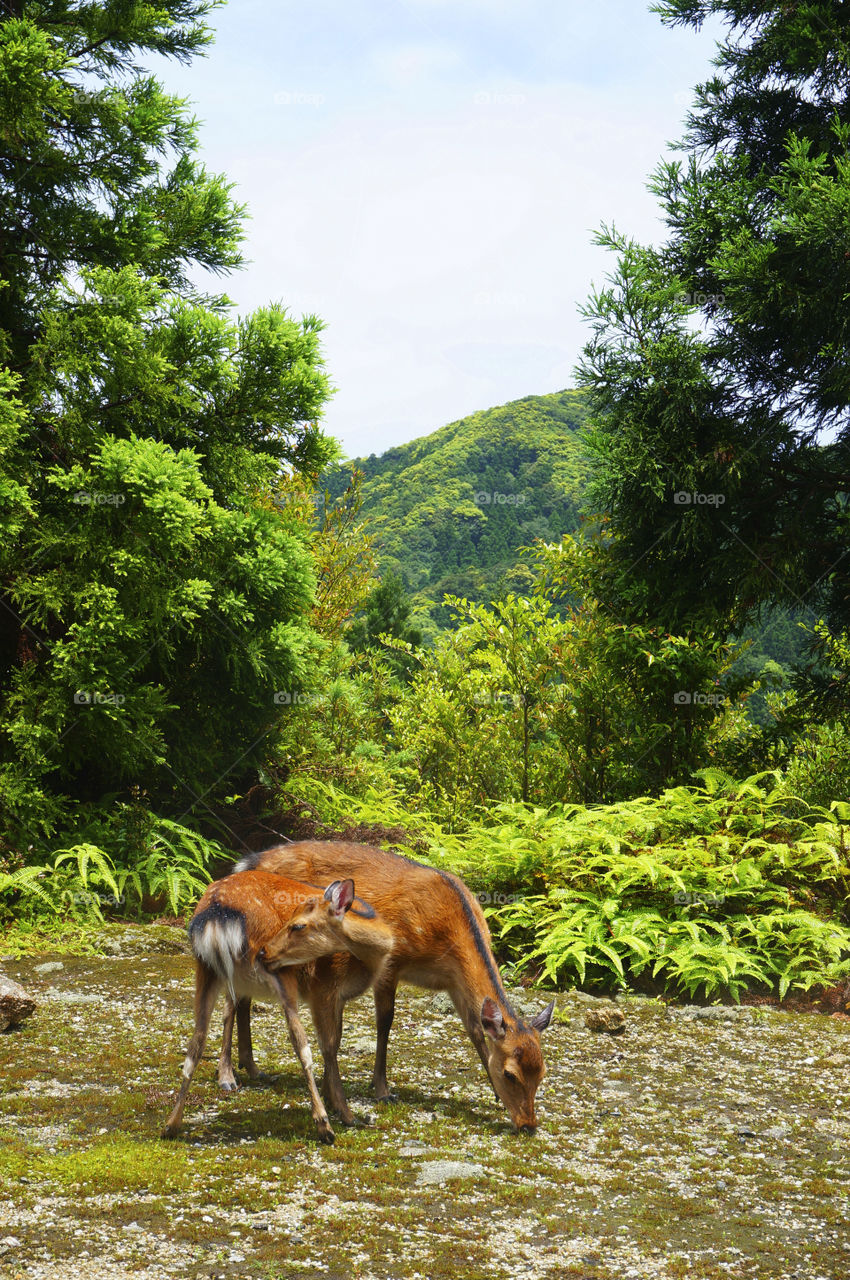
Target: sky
426 176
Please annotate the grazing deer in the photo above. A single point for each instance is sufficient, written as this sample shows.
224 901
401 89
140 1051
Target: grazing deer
441 941
235 924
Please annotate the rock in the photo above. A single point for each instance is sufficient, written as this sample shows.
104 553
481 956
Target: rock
50 966
442 1003
717 1013
436 1172
607 1018
15 1003
72 997
525 1007
137 940
362 1044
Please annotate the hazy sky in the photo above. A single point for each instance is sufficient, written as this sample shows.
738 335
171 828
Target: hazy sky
426 175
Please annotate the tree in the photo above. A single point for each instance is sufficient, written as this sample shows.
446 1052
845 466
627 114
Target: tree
387 613
153 608
519 703
723 449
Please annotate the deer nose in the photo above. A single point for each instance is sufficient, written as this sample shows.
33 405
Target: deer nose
528 1128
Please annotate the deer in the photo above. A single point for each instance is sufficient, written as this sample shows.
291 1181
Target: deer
440 941
237 923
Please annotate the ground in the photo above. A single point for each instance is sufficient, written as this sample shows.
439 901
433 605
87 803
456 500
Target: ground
700 1143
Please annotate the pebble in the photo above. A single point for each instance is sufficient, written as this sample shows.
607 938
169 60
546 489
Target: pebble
436 1172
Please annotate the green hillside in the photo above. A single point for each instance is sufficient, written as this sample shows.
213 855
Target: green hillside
452 508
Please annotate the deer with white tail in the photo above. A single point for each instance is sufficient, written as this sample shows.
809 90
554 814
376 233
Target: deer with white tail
249 933
440 941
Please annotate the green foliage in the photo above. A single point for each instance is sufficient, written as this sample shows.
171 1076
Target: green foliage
150 860
99 164
707 890
153 599
387 614
748 407
452 509
176 866
819 765
541 699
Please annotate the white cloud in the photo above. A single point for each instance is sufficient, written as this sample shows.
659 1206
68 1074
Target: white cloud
403 66
436 205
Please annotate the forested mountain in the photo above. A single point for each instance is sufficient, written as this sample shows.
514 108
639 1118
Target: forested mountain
451 509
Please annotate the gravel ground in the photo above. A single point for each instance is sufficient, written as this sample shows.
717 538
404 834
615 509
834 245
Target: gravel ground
701 1143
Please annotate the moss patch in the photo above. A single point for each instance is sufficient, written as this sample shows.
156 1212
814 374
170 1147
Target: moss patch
685 1147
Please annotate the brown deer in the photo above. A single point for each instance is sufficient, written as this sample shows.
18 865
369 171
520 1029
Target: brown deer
440 941
235 923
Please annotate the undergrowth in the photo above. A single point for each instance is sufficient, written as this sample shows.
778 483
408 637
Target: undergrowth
707 890
119 860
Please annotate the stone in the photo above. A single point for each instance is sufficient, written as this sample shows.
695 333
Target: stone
717 1013
436 1172
605 1018
362 1044
442 1003
50 966
16 1004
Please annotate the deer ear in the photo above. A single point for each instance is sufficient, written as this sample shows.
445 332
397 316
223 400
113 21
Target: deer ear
492 1020
340 895
541 1020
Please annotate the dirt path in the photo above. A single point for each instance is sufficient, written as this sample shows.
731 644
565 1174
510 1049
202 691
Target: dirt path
695 1146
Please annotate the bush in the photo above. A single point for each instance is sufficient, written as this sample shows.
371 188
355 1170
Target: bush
818 770
706 890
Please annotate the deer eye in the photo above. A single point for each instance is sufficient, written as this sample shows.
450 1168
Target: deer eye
511 1075
296 928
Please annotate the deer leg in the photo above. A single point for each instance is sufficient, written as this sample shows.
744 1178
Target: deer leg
226 1078
244 1045
472 1021
384 1014
286 988
206 989
326 1008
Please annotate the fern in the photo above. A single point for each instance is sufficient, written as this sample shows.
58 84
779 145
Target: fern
708 889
